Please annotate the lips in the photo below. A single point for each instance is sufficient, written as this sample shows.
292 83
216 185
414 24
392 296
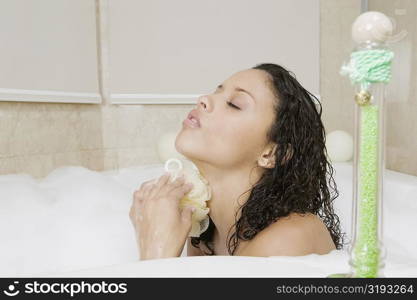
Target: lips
193 119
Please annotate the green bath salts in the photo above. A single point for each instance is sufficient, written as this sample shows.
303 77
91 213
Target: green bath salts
366 252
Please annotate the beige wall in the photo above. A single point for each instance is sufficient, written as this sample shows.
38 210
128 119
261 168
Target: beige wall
48 45
402 107
35 138
150 41
337 92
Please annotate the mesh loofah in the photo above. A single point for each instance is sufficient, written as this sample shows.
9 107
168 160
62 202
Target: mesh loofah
197 197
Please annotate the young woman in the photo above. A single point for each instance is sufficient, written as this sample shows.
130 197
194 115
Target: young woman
259 140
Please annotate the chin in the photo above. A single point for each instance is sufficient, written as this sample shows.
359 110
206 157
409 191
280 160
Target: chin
194 147
184 145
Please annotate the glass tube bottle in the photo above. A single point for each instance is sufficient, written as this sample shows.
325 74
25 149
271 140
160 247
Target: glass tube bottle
367 251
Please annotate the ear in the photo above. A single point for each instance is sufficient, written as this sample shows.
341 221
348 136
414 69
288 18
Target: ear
267 159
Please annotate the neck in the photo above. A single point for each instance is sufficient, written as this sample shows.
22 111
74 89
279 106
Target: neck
230 190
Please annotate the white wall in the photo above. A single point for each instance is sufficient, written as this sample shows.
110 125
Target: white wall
188 47
48 51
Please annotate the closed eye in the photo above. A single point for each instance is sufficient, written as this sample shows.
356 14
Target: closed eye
232 105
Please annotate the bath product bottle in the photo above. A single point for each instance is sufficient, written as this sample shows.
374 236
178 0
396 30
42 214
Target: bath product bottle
367 252
369 69
197 197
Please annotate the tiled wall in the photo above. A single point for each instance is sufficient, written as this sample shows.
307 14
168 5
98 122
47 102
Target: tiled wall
36 138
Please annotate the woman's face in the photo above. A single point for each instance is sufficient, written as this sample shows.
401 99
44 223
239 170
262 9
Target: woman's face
230 137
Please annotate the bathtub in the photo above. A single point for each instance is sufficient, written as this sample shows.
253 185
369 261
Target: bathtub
74 223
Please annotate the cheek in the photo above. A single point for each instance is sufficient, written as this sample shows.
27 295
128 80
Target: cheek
241 140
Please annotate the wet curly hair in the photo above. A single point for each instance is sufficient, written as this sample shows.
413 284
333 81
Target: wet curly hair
303 181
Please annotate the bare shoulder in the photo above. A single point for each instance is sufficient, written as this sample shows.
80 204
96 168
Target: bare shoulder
294 235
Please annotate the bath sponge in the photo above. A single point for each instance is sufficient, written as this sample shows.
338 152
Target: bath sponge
197 197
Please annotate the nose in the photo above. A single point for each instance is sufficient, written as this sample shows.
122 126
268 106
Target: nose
202 102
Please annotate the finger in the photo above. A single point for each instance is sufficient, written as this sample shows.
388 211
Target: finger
138 196
163 179
159 185
153 189
180 180
147 183
182 190
145 191
165 185
187 214
144 187
132 213
147 188
135 215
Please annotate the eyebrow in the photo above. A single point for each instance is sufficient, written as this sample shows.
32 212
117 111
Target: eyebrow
239 89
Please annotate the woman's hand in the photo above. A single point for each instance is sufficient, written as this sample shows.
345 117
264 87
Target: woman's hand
161 226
